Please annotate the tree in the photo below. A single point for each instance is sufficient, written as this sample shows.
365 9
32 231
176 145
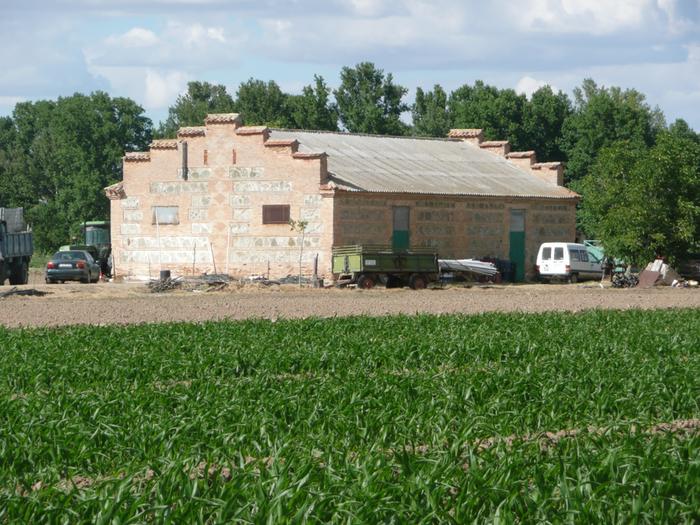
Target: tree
601 117
543 118
312 109
498 112
643 202
262 103
430 115
369 101
680 128
62 154
192 108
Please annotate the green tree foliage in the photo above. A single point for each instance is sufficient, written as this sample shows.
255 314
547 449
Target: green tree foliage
262 103
313 108
191 108
369 101
680 128
61 154
498 112
430 115
601 117
543 118
643 201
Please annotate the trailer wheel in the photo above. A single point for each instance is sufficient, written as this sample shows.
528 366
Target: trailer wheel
366 282
20 274
418 282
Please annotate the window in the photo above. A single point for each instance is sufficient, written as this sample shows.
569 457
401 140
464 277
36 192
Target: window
558 254
546 254
584 255
575 255
165 215
275 213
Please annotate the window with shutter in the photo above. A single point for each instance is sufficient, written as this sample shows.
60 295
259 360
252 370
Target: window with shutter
275 213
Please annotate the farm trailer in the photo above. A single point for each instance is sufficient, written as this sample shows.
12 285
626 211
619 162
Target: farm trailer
367 265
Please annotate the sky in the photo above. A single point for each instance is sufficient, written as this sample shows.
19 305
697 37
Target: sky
149 50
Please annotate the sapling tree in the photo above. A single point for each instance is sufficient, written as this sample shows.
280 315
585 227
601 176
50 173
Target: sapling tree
299 227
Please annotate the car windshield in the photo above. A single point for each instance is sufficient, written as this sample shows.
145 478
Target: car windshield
69 256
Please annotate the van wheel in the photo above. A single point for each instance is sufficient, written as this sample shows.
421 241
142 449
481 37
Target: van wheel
573 279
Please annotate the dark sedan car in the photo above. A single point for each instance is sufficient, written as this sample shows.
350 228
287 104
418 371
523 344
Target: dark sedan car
72 265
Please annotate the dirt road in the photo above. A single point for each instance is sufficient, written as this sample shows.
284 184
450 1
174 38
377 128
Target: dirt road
127 303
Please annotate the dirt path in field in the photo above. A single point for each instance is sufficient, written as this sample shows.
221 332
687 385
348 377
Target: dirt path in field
127 303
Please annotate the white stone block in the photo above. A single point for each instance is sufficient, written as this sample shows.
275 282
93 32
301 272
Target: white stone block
133 216
130 229
130 203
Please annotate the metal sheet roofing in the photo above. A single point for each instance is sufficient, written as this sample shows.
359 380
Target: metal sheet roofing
376 163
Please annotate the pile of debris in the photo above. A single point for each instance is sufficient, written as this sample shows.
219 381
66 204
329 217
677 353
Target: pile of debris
202 283
658 273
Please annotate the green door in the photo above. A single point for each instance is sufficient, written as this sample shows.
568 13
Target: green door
400 238
517 243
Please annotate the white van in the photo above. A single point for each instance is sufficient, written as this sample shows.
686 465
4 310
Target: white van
565 260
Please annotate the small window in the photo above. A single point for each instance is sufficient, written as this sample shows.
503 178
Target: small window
275 213
546 254
584 255
575 255
559 254
165 215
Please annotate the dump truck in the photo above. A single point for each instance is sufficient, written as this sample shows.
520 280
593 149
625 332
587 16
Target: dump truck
16 246
369 265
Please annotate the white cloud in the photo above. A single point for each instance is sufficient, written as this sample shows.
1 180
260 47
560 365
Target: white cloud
162 88
595 17
528 85
136 37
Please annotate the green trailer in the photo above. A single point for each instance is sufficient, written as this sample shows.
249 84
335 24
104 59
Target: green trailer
369 265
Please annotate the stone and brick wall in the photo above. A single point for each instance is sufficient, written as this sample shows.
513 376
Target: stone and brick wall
456 227
232 171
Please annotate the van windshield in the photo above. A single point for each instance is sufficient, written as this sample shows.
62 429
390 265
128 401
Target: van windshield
558 254
546 254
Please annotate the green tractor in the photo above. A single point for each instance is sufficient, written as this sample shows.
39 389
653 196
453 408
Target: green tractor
97 241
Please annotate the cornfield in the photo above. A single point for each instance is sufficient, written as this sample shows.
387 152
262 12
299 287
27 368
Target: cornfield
588 417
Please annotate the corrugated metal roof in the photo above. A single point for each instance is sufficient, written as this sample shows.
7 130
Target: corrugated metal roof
376 163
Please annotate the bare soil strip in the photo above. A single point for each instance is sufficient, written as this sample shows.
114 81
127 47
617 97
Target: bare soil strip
114 303
211 470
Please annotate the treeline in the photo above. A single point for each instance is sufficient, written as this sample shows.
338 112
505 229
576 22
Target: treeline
639 178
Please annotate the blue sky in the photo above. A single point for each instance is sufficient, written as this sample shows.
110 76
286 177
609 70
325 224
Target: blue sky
149 50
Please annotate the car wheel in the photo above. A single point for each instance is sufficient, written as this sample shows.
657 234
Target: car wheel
573 279
50 281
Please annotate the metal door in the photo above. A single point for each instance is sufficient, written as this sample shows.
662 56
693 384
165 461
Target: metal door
400 237
517 243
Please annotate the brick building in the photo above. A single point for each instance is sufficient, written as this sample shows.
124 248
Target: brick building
219 197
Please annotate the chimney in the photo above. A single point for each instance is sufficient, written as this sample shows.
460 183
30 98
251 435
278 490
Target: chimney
551 172
522 159
499 147
475 136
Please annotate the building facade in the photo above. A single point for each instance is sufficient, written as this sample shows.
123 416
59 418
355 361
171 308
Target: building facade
219 198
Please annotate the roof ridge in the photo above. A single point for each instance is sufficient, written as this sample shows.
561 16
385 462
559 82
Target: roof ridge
375 135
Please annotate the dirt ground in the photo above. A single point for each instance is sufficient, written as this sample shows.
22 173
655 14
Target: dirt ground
128 303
